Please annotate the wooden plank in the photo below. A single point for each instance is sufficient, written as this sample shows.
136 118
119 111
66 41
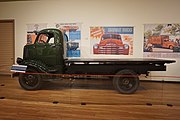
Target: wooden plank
88 99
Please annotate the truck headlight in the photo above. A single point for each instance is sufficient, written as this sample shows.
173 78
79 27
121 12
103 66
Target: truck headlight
19 60
95 46
126 46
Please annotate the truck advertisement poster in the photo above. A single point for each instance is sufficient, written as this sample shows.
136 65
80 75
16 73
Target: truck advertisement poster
32 31
112 40
162 40
73 32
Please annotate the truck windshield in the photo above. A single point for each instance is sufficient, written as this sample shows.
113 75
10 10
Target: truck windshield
111 36
46 38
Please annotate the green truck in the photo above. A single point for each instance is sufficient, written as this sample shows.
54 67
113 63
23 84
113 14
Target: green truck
45 59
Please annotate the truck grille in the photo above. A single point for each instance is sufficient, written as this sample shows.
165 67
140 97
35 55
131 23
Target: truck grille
111 48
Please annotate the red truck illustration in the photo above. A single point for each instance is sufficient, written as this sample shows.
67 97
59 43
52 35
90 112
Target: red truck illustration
162 41
111 44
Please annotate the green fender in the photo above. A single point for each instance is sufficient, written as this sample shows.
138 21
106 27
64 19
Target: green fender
39 66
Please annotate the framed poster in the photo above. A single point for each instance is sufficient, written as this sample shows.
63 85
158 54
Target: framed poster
162 40
73 32
112 40
32 31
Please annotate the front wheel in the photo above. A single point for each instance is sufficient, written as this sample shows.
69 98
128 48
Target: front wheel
171 47
126 81
30 80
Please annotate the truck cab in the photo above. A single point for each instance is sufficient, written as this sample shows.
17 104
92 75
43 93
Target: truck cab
111 44
46 53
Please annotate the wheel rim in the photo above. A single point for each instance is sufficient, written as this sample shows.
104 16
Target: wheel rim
30 80
126 83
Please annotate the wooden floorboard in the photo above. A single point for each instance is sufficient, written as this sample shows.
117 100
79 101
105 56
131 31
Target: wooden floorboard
5 70
87 99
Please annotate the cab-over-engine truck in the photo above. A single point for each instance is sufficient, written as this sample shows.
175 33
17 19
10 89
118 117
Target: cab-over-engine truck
46 57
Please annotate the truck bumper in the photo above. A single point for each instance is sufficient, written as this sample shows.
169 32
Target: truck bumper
18 68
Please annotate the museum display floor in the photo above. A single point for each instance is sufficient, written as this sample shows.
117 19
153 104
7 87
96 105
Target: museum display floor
87 99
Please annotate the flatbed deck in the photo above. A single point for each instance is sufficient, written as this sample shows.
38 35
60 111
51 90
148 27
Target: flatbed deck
111 66
121 61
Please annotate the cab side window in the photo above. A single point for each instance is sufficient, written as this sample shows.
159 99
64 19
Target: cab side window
51 40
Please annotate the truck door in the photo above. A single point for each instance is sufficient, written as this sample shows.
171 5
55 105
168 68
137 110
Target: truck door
46 48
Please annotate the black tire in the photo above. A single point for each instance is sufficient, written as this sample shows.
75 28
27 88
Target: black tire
128 83
30 81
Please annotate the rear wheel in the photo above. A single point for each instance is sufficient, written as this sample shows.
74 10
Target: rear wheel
30 80
126 81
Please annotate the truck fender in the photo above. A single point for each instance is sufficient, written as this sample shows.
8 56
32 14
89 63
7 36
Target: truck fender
39 66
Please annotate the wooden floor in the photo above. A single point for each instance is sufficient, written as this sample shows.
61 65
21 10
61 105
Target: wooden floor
88 100
5 70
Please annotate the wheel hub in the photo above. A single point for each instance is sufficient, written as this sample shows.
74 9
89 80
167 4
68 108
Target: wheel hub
126 82
30 77
30 80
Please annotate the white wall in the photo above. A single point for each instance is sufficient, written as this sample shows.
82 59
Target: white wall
93 13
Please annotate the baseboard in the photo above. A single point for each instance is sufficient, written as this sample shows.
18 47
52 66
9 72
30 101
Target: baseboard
163 81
